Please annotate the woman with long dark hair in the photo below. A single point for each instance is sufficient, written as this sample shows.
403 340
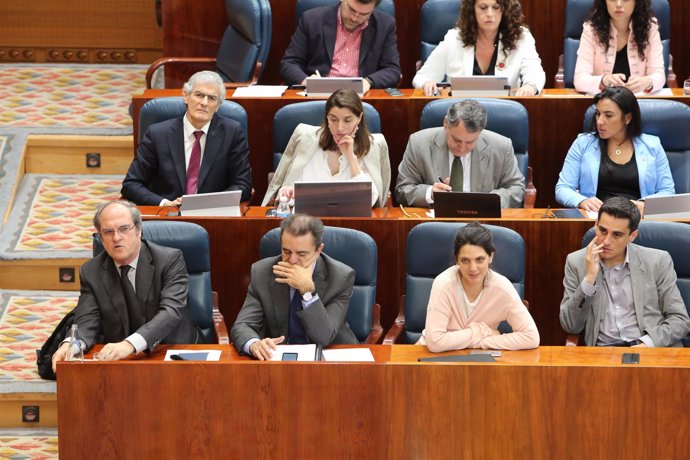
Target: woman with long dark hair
489 38
615 158
620 46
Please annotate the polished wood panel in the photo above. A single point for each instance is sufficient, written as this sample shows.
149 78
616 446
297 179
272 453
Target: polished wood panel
235 246
551 402
197 32
555 121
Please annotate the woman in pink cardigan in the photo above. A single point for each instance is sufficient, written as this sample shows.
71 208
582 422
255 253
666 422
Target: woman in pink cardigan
469 300
620 46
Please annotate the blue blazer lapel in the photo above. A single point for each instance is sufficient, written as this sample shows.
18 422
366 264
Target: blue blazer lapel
176 146
367 40
214 140
328 32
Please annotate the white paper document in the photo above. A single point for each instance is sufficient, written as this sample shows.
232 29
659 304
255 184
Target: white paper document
193 355
348 355
294 352
260 91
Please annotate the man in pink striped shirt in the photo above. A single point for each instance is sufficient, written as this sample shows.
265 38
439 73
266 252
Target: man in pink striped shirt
349 39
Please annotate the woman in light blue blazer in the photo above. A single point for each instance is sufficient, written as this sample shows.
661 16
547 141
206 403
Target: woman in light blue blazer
615 158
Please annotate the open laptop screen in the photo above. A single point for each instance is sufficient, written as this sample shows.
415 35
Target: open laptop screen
466 205
333 199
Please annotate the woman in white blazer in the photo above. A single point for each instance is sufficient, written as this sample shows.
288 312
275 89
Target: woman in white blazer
489 38
342 148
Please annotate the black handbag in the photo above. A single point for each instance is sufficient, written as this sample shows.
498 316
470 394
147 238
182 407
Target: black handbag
44 356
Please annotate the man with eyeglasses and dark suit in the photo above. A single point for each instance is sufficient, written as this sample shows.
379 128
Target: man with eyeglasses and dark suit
350 39
133 296
199 152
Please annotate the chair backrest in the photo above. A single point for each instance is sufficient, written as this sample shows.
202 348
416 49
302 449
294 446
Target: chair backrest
435 19
505 117
430 252
672 237
289 116
575 14
386 6
192 240
355 249
247 39
669 120
165 108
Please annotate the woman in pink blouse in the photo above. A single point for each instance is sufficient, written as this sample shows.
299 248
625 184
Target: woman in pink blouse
469 300
620 46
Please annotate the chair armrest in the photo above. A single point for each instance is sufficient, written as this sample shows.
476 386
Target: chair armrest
219 322
530 189
671 80
559 79
173 60
376 329
393 335
572 340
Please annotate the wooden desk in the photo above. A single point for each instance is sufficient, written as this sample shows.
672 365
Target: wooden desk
555 121
553 402
235 246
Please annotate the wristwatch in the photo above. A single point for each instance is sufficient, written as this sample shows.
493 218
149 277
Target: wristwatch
307 296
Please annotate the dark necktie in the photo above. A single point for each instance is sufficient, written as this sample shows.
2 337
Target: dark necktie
194 165
136 319
456 173
296 333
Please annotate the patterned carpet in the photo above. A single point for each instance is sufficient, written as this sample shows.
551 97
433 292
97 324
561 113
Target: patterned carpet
26 321
28 444
52 215
68 96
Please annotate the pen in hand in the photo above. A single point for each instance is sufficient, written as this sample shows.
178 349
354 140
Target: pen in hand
318 74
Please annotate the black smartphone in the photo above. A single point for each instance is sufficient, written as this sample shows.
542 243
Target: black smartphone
443 84
393 92
298 87
289 357
631 358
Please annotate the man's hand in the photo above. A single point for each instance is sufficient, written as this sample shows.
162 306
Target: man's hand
365 86
176 202
640 206
639 345
295 276
60 354
429 88
263 349
115 351
592 258
288 191
442 186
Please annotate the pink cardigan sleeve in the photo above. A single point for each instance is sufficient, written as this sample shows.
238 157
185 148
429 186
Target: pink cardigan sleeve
587 79
525 334
654 58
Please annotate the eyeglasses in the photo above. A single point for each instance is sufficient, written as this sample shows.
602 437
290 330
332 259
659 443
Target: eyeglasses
212 98
355 13
122 230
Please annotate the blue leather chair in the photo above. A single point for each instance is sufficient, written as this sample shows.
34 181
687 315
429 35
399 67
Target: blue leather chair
575 14
387 6
357 250
430 252
288 117
669 120
243 49
165 108
506 117
435 19
192 240
672 237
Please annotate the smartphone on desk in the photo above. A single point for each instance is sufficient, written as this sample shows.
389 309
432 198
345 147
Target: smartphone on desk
631 358
393 92
289 357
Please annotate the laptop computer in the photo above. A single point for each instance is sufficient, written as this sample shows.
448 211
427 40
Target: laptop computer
667 207
466 205
333 199
479 86
325 86
225 204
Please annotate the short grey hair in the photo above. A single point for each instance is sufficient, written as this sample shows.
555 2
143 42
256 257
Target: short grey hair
205 76
131 207
470 112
